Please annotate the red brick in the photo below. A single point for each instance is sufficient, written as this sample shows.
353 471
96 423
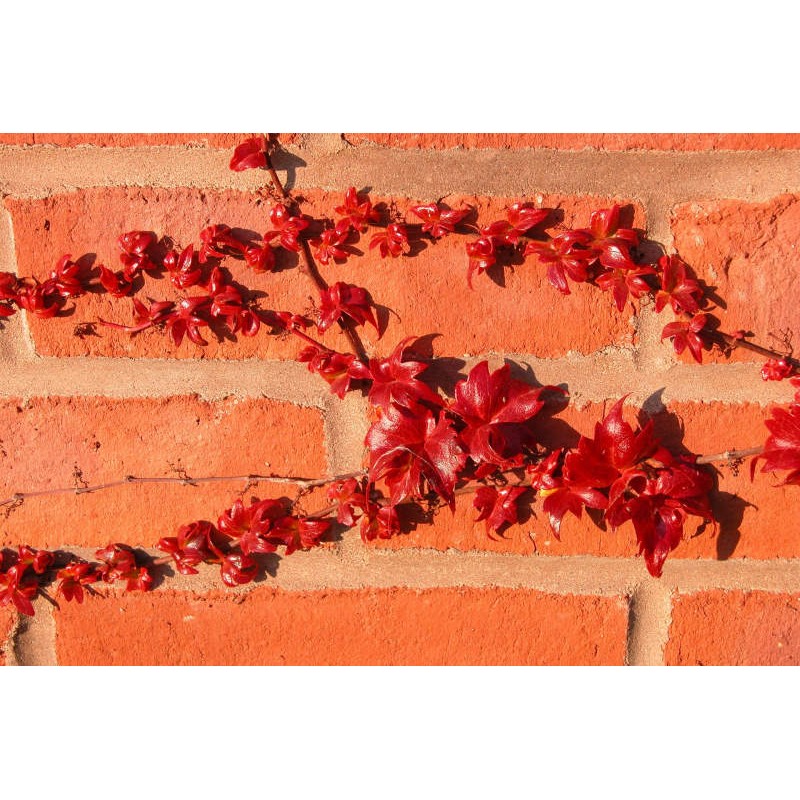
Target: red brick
423 294
8 619
748 252
582 141
91 222
579 537
751 514
215 140
369 627
108 439
735 628
429 294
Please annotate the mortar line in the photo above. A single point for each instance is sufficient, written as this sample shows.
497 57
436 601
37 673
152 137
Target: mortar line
33 641
363 566
593 378
17 341
649 619
674 176
287 381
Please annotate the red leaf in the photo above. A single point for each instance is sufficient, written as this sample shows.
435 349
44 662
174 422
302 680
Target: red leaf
406 450
394 380
782 448
349 495
250 154
498 507
687 334
393 241
344 298
338 369
677 288
482 255
776 369
380 522
496 410
438 221
357 213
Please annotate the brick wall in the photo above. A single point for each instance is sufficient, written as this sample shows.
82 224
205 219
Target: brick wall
111 405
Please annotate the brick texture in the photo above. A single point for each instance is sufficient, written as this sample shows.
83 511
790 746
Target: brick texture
415 295
751 514
369 627
741 239
735 628
748 253
48 439
8 618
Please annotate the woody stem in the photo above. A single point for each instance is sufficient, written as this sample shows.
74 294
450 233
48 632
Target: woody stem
307 265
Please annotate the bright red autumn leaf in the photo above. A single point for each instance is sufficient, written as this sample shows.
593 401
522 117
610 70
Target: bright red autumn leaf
437 220
683 293
498 507
287 227
250 154
564 256
392 241
394 380
776 369
407 451
338 369
357 213
782 448
496 409
482 256
344 298
686 334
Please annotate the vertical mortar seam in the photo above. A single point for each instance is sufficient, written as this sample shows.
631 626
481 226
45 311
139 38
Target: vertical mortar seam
649 620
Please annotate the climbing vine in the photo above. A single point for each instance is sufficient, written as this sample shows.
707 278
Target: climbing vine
424 448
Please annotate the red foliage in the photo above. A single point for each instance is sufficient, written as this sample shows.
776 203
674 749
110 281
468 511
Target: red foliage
686 333
344 298
437 220
392 241
355 212
250 154
408 451
496 410
782 448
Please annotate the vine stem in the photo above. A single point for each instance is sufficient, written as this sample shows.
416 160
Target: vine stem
730 455
307 264
306 338
303 483
727 340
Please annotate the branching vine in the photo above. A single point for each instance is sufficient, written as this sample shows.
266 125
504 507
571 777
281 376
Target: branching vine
424 449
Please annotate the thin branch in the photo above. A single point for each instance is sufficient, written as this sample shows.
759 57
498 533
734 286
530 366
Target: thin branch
734 342
304 483
730 455
308 267
306 338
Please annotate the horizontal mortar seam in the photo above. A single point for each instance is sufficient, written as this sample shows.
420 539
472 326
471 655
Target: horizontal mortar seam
578 574
582 172
110 377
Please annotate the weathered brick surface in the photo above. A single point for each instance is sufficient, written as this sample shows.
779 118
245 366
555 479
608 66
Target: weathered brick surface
370 627
8 618
748 253
752 515
47 440
582 141
44 230
735 628
416 295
